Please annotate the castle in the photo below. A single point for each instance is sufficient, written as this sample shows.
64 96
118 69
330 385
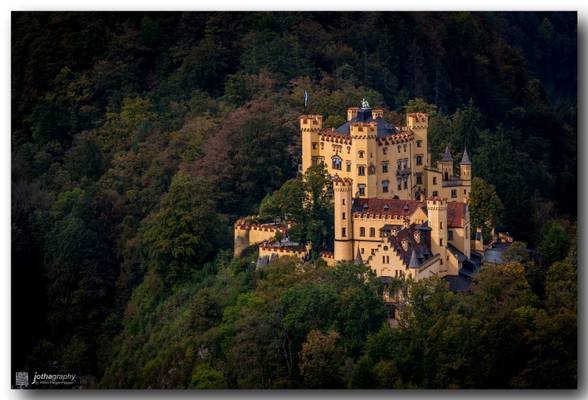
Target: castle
393 211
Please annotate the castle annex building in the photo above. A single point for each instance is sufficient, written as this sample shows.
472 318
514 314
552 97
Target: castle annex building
393 211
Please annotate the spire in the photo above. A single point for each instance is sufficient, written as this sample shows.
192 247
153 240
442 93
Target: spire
413 263
358 260
465 160
447 155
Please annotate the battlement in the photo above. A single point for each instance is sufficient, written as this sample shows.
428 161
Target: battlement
244 224
331 135
342 182
282 251
398 138
417 120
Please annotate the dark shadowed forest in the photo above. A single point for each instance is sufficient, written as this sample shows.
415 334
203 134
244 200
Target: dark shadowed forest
139 138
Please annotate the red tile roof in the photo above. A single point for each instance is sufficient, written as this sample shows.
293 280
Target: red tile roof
455 214
378 206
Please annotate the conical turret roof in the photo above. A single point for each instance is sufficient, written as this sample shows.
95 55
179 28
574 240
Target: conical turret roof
413 263
447 155
465 160
358 259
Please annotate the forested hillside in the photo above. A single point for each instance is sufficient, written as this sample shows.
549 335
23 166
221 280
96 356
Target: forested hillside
139 138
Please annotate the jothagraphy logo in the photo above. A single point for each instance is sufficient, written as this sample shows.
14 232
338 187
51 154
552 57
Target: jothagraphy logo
53 379
22 379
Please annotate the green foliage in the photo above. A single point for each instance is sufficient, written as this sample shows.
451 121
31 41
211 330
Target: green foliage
185 232
138 137
485 206
320 360
555 242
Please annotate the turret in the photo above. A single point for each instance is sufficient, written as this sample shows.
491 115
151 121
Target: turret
419 124
364 148
465 167
446 164
342 188
437 219
310 126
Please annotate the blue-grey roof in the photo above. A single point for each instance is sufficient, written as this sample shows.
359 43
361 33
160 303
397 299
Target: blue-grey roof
447 155
465 160
384 128
458 283
358 260
413 263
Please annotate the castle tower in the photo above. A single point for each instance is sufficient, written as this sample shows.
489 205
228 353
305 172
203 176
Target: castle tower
465 167
446 164
342 189
310 126
419 124
465 174
437 219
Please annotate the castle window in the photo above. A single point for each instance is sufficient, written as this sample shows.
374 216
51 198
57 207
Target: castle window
343 232
446 175
348 149
322 145
398 184
419 160
399 147
465 191
385 167
342 215
361 188
419 143
362 250
453 193
441 242
384 150
373 251
348 166
405 163
372 232
404 148
434 180
360 154
406 183
419 179
372 169
362 231
450 235
385 186
336 162
440 224
314 145
361 170
435 193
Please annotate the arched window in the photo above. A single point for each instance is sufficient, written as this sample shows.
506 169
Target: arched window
360 154
337 162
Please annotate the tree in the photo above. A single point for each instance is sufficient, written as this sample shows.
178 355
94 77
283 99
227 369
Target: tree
554 243
485 206
185 232
321 359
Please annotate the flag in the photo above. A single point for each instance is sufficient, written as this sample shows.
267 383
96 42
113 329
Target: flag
305 98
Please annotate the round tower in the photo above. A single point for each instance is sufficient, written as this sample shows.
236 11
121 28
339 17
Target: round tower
342 188
465 167
446 164
437 219
310 126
